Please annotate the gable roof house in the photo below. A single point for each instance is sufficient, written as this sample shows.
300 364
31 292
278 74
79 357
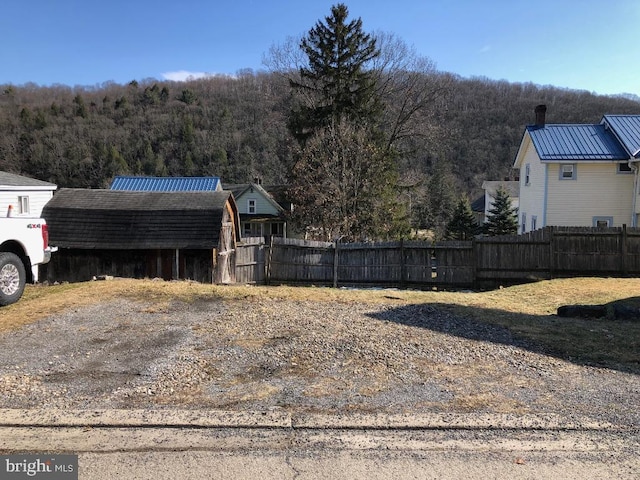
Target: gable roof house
260 214
26 196
579 174
172 235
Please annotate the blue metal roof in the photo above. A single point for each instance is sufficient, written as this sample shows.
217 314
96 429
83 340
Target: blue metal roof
576 142
627 129
166 184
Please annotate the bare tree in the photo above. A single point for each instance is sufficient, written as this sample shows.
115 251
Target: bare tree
336 184
411 89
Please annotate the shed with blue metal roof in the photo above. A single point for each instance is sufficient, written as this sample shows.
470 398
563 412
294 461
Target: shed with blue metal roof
166 184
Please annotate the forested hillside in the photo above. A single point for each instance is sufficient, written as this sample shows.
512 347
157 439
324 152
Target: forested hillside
80 137
235 128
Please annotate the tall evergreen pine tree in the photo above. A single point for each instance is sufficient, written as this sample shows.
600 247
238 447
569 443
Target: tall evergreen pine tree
503 217
336 83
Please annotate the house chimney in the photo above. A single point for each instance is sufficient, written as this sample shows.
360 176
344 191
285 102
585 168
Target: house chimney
541 111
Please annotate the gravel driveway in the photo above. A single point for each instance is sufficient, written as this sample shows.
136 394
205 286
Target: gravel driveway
299 356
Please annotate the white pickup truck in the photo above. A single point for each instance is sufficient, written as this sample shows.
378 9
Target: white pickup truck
24 244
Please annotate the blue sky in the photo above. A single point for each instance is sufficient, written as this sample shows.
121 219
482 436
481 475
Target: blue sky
577 44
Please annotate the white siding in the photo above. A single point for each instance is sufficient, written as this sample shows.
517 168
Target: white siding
597 191
532 195
37 201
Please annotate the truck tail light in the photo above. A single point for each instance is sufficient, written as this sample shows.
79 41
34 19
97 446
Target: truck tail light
45 236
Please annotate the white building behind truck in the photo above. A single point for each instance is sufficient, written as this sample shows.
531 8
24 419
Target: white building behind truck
26 196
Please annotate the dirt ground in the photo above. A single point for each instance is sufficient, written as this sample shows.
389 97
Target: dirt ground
331 357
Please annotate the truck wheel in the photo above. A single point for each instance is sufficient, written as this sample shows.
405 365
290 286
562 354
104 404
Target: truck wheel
12 278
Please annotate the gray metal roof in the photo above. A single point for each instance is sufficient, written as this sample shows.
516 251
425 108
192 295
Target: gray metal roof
236 189
576 142
12 180
108 219
627 129
165 184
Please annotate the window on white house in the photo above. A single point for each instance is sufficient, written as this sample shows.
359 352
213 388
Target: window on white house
534 222
602 222
524 223
251 205
567 171
527 174
624 168
23 204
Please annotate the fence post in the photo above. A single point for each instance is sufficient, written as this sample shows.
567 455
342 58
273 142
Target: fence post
474 263
335 262
552 254
268 262
623 251
403 266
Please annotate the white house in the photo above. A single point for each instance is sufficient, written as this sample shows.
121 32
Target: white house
26 196
579 174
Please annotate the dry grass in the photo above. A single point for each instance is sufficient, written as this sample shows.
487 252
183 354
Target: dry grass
542 298
527 310
41 301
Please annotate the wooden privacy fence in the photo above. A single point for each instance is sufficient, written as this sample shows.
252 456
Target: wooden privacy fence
484 262
402 263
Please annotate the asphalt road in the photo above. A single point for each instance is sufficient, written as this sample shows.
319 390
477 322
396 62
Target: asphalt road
187 445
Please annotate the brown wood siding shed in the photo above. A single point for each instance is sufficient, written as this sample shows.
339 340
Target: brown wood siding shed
108 219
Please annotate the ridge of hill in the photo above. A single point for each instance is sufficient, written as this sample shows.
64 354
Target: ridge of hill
235 128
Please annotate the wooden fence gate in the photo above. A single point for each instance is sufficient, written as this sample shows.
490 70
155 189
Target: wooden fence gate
251 261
